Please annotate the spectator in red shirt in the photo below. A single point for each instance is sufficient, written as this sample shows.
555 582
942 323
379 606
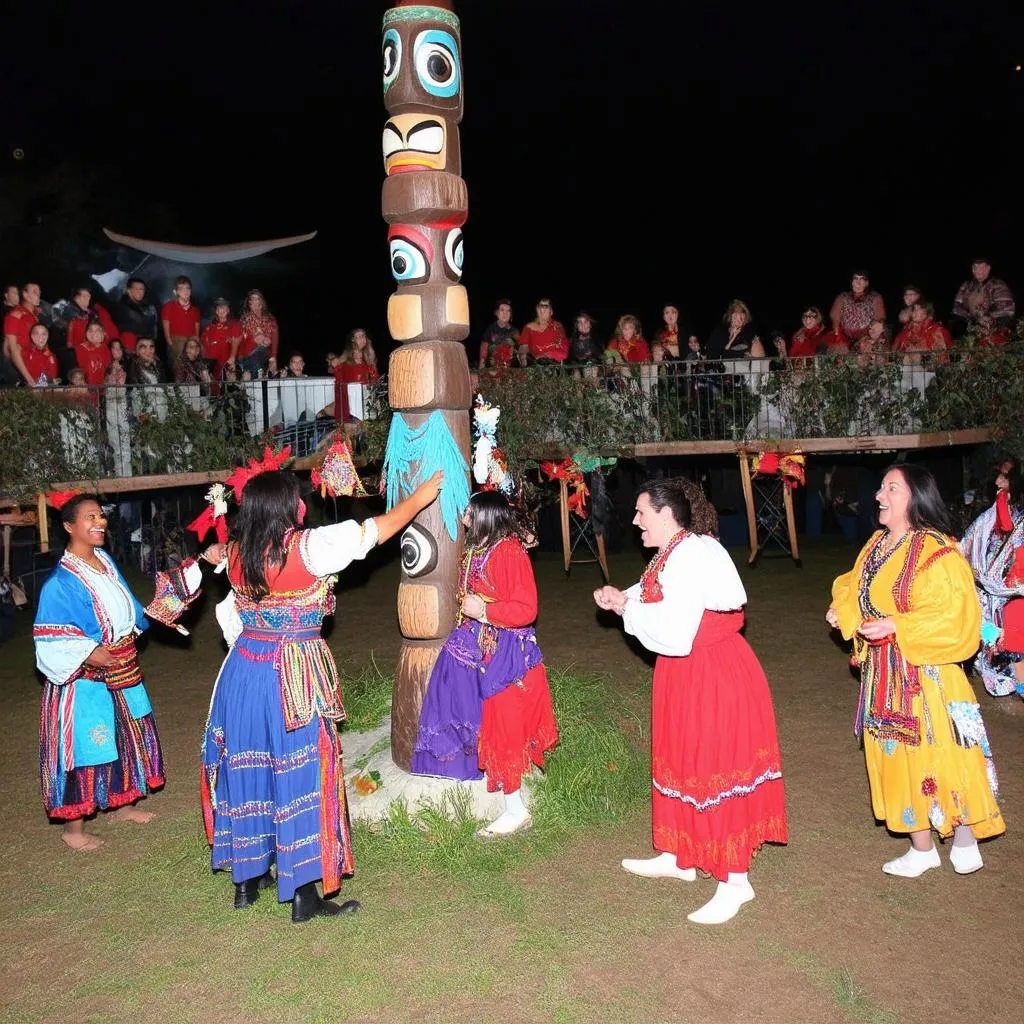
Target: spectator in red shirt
628 343
12 296
180 318
17 325
221 338
923 335
358 361
260 337
498 344
543 340
93 354
39 360
811 338
80 310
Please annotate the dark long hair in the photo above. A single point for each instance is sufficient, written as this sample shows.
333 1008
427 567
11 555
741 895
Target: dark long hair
269 509
690 506
491 518
927 510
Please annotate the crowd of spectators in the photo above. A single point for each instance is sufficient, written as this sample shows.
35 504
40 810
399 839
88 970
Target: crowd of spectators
81 342
857 323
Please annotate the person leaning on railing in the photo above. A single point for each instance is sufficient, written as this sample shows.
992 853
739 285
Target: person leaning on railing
543 340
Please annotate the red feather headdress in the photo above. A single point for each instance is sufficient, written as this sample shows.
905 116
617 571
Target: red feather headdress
244 474
58 499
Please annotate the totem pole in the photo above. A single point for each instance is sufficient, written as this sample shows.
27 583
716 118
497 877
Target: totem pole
424 202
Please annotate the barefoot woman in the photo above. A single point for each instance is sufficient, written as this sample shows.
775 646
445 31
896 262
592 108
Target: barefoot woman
99 749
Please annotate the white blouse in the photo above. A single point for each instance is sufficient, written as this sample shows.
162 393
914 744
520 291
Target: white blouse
324 551
699 576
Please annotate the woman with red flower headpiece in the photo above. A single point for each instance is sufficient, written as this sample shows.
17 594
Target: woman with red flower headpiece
717 792
273 786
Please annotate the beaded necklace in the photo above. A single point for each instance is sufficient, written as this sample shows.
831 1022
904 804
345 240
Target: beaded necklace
650 584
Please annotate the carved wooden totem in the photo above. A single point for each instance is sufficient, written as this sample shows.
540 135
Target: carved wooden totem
424 202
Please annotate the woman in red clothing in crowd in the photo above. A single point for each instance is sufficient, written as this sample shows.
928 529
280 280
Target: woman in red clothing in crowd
923 335
80 311
221 339
260 336
93 354
40 362
811 339
488 709
358 361
628 342
543 340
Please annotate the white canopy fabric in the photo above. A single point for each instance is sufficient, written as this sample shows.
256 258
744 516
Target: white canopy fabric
205 253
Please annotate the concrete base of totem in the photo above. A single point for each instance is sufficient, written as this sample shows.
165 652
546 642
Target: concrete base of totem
367 752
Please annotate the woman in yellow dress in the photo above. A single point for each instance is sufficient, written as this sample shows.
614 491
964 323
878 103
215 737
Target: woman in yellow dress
912 611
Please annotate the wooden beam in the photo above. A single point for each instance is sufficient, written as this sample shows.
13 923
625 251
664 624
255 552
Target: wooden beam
748 502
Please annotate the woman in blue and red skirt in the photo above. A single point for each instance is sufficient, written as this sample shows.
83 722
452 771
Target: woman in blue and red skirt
717 791
273 782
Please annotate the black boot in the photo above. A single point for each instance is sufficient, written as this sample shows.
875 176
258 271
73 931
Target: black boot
308 904
248 892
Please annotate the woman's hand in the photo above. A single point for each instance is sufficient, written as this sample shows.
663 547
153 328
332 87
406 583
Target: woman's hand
832 618
877 629
473 606
215 553
100 657
610 599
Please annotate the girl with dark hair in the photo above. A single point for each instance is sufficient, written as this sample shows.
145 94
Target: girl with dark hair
994 546
910 607
717 793
273 782
487 710
98 745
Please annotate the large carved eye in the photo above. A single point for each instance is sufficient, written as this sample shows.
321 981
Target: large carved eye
391 54
453 254
411 255
436 59
407 262
419 551
426 137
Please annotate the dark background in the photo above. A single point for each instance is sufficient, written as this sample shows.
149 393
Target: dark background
618 156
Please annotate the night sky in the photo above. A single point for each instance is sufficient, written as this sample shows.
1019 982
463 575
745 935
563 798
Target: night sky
618 156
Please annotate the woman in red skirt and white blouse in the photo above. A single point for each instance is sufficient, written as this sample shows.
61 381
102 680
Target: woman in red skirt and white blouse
717 791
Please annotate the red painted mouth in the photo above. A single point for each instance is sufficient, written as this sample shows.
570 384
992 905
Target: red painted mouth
402 168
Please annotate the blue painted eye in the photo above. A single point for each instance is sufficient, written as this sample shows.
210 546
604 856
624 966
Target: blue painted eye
391 54
408 264
436 59
453 252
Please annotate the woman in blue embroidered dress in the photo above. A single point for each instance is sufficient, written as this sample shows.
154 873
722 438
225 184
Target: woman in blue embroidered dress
273 785
98 744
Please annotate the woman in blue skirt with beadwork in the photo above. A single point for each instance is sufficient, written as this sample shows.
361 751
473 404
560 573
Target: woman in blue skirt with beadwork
273 785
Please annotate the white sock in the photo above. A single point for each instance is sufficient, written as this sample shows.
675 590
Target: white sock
514 803
963 835
738 878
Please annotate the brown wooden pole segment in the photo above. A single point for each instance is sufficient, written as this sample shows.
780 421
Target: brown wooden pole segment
424 202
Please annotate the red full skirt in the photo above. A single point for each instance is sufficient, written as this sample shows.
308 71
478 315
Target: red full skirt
717 792
516 729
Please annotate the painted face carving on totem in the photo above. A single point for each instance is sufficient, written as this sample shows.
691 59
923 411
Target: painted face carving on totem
422 253
421 57
420 142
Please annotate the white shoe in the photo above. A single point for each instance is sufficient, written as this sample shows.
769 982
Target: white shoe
662 866
966 859
724 905
506 823
913 863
